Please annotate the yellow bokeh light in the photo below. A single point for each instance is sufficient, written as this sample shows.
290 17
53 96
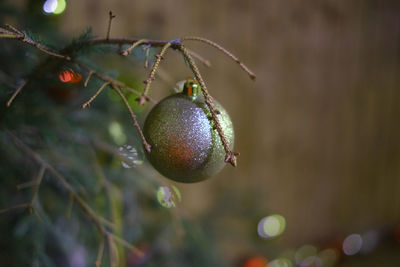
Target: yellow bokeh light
61 5
117 133
271 226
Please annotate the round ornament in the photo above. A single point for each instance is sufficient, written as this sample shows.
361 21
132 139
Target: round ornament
185 147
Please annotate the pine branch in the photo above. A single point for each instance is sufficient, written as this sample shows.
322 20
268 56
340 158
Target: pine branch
37 181
143 97
97 220
14 33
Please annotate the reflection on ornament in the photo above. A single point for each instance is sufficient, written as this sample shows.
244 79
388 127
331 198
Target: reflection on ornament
185 147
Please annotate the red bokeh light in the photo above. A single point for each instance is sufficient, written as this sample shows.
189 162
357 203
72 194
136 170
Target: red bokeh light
256 261
69 76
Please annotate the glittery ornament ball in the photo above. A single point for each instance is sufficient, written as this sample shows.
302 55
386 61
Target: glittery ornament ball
184 145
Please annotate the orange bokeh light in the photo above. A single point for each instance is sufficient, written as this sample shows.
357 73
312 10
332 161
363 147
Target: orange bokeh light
397 233
69 76
256 261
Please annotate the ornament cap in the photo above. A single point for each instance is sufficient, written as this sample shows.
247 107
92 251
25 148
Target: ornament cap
191 88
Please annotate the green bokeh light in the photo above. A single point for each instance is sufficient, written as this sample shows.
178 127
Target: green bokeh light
61 5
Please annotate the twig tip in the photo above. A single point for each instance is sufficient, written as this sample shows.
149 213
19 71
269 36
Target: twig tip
231 157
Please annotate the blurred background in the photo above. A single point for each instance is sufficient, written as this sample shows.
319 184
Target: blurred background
317 181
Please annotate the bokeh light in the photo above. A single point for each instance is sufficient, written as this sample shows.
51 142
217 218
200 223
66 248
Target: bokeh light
305 252
49 6
280 262
312 261
271 226
352 244
54 6
61 5
370 241
69 76
256 261
116 132
328 257
179 86
167 197
130 157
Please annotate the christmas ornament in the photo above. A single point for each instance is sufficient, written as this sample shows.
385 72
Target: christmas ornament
185 147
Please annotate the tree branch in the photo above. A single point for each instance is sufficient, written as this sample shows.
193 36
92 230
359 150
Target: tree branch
144 98
97 220
16 92
105 78
223 50
111 17
135 44
87 103
133 116
230 155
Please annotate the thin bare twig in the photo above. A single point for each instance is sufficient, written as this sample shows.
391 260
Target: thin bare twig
111 16
38 182
69 206
100 251
16 207
127 245
118 41
108 186
206 62
37 215
144 98
135 44
230 155
26 185
88 78
87 103
146 57
14 33
112 251
223 50
112 81
9 34
133 116
9 102
29 205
